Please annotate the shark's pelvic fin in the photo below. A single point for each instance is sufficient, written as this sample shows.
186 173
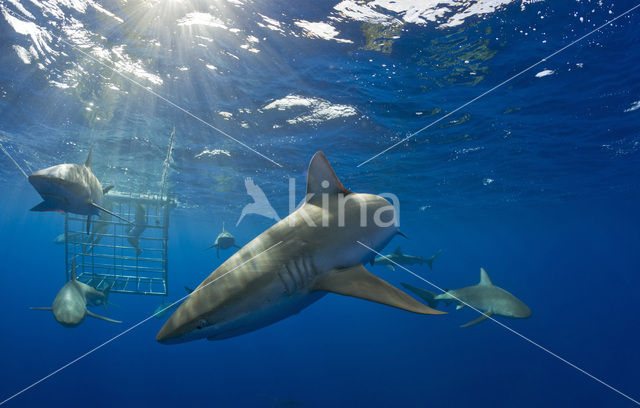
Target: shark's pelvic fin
111 213
88 161
484 278
391 267
90 313
42 308
427 296
322 179
356 281
478 320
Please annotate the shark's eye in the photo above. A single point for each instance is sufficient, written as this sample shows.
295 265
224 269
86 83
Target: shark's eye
201 323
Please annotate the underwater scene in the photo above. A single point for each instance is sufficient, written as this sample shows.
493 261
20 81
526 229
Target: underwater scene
346 203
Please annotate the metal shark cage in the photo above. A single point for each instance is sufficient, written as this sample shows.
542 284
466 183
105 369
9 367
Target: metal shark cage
107 258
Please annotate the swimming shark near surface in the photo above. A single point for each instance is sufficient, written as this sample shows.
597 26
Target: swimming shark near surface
224 240
398 258
70 188
294 263
70 305
134 232
485 296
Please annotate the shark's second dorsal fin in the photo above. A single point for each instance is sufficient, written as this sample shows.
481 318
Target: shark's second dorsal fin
398 251
484 278
356 281
322 179
87 163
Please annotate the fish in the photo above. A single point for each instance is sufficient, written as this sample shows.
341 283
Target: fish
134 232
70 305
485 296
398 258
224 240
316 250
100 227
70 188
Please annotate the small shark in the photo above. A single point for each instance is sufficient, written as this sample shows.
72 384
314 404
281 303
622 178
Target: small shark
294 263
70 305
484 296
398 258
100 227
60 239
134 232
102 301
224 241
70 188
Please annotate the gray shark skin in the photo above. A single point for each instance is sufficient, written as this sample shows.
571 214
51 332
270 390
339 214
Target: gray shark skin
485 296
134 232
70 305
398 258
293 264
224 241
70 188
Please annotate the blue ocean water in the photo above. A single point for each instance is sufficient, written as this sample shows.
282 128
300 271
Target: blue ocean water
537 182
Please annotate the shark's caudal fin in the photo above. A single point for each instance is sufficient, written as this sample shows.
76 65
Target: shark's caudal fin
42 308
478 320
429 261
111 213
322 179
427 296
88 161
358 282
90 313
484 278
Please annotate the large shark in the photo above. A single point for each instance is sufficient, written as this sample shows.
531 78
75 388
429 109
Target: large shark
485 296
224 240
70 305
70 188
294 263
398 258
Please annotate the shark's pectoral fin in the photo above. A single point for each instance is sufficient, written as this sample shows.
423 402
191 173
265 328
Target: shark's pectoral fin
47 206
358 282
391 267
110 213
459 306
41 308
478 320
90 313
106 189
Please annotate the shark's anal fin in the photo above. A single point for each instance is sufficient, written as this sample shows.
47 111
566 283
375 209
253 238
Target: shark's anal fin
110 213
356 281
41 308
478 320
102 317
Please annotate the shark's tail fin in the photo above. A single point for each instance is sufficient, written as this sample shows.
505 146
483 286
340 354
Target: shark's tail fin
429 261
427 296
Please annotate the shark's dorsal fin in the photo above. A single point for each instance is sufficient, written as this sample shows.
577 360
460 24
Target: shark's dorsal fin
356 281
322 179
398 251
484 278
87 163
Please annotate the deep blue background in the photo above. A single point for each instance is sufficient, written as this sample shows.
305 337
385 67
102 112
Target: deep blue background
557 226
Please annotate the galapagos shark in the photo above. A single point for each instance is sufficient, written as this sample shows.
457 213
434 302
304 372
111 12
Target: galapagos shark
70 305
70 188
485 296
134 232
398 258
224 241
100 227
294 263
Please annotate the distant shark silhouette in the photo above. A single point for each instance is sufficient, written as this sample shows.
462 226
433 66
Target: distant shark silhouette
293 264
70 188
484 296
224 241
70 305
260 205
398 258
